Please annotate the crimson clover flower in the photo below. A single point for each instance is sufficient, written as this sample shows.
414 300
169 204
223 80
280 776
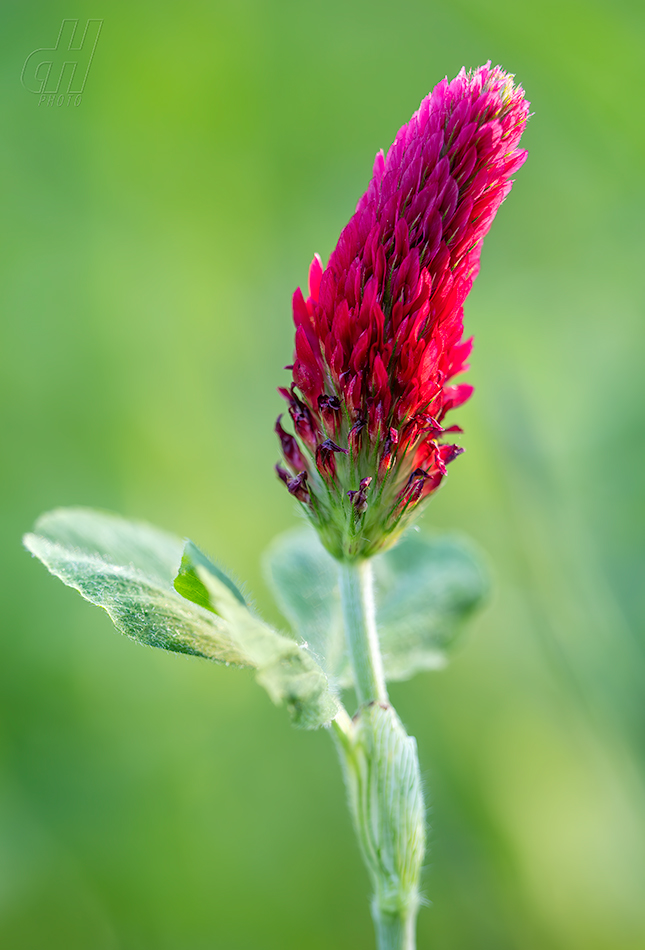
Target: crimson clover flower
380 337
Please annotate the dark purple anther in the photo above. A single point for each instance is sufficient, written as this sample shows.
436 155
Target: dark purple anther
290 450
325 460
298 487
356 435
417 475
389 447
414 488
329 409
303 422
445 454
358 498
283 474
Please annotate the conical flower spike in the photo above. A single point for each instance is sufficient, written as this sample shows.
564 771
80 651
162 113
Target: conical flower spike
379 339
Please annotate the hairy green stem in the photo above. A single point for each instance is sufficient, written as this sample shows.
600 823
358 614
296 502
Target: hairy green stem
381 770
395 932
359 617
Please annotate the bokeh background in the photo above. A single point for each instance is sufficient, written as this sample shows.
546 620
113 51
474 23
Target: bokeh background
151 240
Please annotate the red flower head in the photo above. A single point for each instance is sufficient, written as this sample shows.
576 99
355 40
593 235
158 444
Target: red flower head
379 338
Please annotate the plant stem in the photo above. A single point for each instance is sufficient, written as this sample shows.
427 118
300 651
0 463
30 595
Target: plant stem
395 933
359 617
381 772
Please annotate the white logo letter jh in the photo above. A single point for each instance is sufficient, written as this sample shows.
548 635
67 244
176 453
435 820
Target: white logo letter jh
58 73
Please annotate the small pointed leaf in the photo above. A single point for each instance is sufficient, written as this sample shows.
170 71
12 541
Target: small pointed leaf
189 584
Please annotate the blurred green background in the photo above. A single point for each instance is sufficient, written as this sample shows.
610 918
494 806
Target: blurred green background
151 240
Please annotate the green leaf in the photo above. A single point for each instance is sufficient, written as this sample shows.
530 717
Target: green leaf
425 588
152 551
286 670
189 584
304 580
381 768
128 568
166 594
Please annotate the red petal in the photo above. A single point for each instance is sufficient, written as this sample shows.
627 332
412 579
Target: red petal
315 273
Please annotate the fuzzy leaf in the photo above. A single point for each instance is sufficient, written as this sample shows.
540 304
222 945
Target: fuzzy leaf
152 551
166 594
304 581
287 670
128 568
189 584
381 767
425 589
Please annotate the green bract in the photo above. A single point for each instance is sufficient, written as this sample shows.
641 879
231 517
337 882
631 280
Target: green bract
386 801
